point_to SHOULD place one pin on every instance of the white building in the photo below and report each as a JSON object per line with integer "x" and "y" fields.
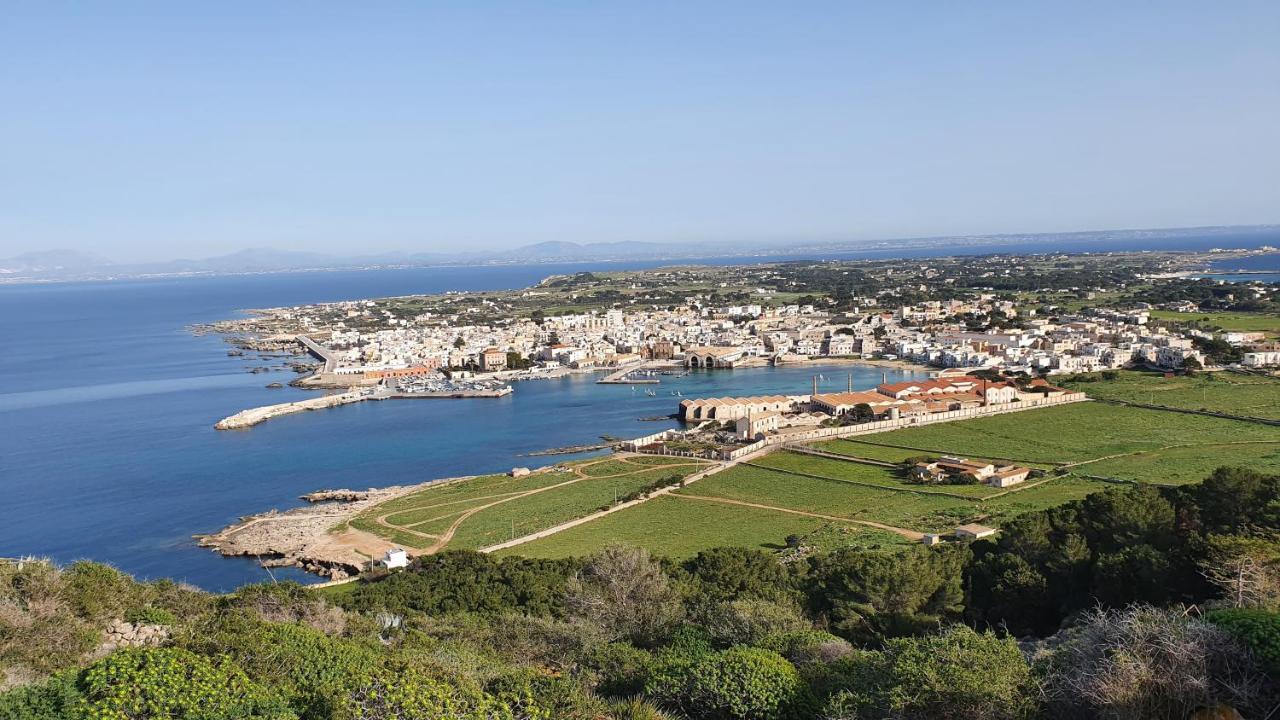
{"x": 395, "y": 558}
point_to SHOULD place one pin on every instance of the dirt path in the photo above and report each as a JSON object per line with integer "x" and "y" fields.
{"x": 909, "y": 534}
{"x": 447, "y": 535}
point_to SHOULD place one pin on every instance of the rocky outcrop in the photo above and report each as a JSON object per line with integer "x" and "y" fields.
{"x": 342, "y": 495}
{"x": 316, "y": 538}
{"x": 122, "y": 634}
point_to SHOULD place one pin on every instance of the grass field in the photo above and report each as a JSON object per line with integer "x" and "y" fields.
{"x": 862, "y": 473}
{"x": 476, "y": 512}
{"x": 681, "y": 527}
{"x": 1086, "y": 431}
{"x": 1225, "y": 392}
{"x": 828, "y": 501}
{"x": 1239, "y": 321}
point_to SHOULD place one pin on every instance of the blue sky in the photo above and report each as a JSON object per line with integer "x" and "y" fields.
{"x": 154, "y": 130}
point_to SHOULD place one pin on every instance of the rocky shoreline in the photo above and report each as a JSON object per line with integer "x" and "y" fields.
{"x": 313, "y": 537}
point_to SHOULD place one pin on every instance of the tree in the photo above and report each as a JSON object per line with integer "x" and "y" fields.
{"x": 626, "y": 594}
{"x": 728, "y": 573}
{"x": 1245, "y": 569}
{"x": 869, "y": 595}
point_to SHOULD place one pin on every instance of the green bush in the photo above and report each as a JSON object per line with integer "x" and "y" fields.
{"x": 959, "y": 674}
{"x": 740, "y": 682}
{"x": 308, "y": 668}
{"x": 408, "y": 694}
{"x": 1258, "y": 629}
{"x": 808, "y": 646}
{"x": 748, "y": 621}
{"x": 95, "y": 591}
{"x": 54, "y": 699}
{"x": 174, "y": 684}
{"x": 150, "y": 616}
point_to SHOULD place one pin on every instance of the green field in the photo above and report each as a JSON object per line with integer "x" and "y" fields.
{"x": 1239, "y": 321}
{"x": 680, "y": 528}
{"x": 1231, "y": 393}
{"x": 1086, "y": 447}
{"x": 480, "y": 511}
{"x": 855, "y": 472}
{"x": 1086, "y": 431}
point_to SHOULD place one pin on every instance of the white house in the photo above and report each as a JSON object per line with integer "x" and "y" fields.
{"x": 395, "y": 558}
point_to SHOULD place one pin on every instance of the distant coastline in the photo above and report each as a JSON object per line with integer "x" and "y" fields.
{"x": 66, "y": 266}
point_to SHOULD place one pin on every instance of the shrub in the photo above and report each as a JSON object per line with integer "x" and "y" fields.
{"x": 740, "y": 682}
{"x": 802, "y": 647}
{"x": 626, "y": 594}
{"x": 1259, "y": 630}
{"x": 171, "y": 683}
{"x": 408, "y": 694}
{"x": 95, "y": 591}
{"x": 749, "y": 620}
{"x": 960, "y": 674}
{"x": 1144, "y": 662}
{"x": 307, "y": 667}
{"x": 149, "y": 615}
{"x": 53, "y": 699}
{"x": 290, "y": 602}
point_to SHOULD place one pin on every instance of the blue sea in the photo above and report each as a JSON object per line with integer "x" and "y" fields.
{"x": 107, "y": 405}
{"x": 1258, "y": 268}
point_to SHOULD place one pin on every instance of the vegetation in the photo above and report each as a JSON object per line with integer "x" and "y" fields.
{"x": 1103, "y": 591}
{"x": 1230, "y": 393}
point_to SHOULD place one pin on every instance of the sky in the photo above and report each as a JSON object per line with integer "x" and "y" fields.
{"x": 146, "y": 131}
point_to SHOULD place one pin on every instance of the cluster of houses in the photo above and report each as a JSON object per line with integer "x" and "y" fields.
{"x": 370, "y": 341}
{"x": 962, "y": 471}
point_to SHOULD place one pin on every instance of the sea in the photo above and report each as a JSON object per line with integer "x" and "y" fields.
{"x": 107, "y": 406}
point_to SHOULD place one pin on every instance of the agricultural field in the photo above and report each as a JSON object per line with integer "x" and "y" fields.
{"x": 1080, "y": 432}
{"x": 759, "y": 506}
{"x": 1238, "y": 321}
{"x": 1231, "y": 393}
{"x": 868, "y": 475}
{"x": 476, "y": 512}
{"x": 830, "y": 502}
{"x": 682, "y": 527}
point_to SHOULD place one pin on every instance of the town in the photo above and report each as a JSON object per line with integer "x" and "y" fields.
{"x": 944, "y": 315}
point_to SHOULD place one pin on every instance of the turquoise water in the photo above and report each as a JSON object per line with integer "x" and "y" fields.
{"x": 107, "y": 405}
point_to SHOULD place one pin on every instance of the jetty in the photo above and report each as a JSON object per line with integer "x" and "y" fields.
{"x": 253, "y": 416}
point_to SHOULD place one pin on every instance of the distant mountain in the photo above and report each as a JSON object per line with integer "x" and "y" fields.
{"x": 54, "y": 265}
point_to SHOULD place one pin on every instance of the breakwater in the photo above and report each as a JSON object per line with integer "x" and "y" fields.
{"x": 253, "y": 416}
